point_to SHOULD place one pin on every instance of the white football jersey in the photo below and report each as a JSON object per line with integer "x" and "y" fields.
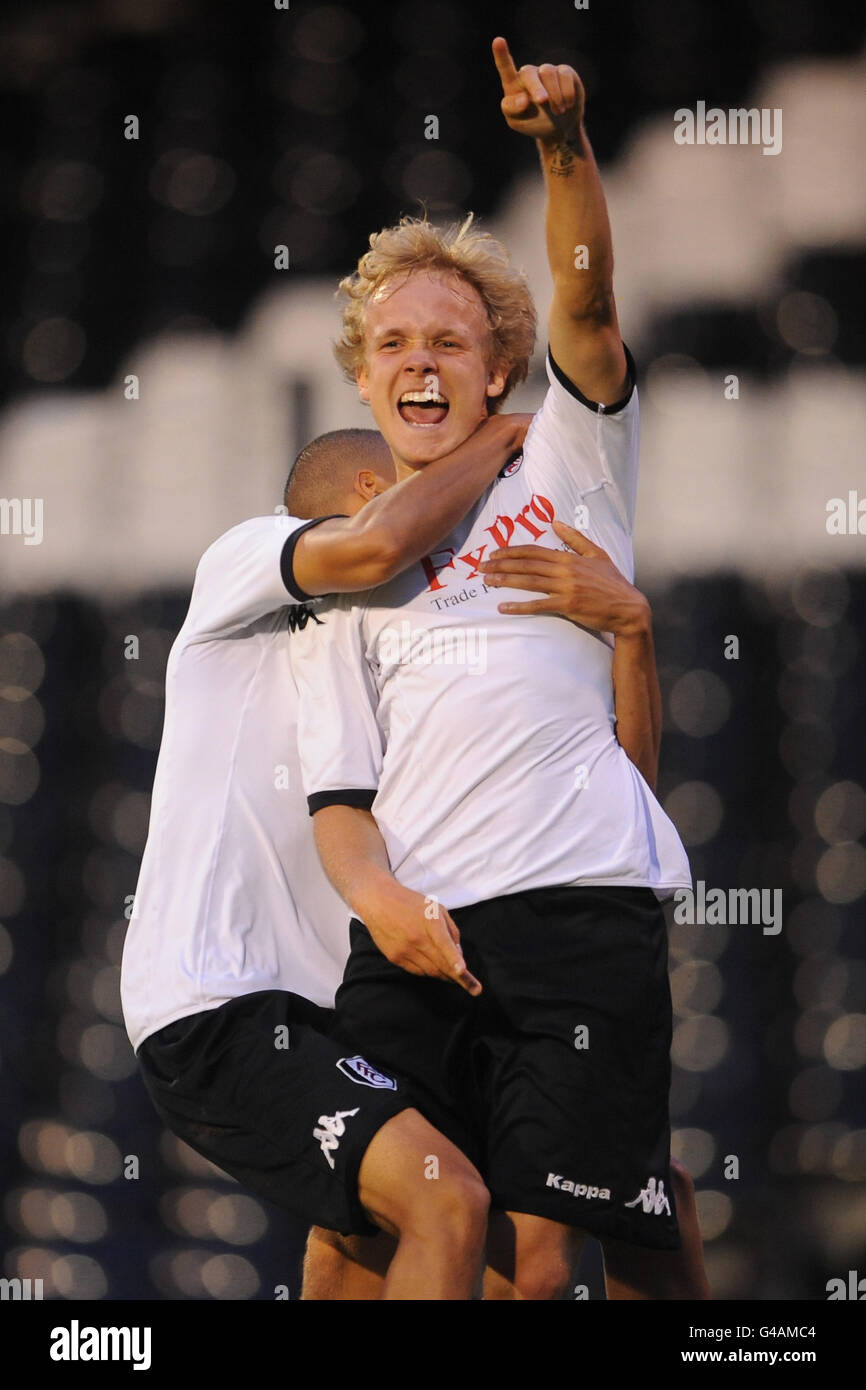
{"x": 231, "y": 897}
{"x": 484, "y": 742}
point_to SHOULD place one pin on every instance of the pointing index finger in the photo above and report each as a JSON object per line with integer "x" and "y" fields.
{"x": 505, "y": 66}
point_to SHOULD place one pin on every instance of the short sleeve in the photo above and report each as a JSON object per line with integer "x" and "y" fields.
{"x": 242, "y": 577}
{"x": 340, "y": 744}
{"x": 583, "y": 449}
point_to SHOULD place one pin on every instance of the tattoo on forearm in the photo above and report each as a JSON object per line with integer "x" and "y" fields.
{"x": 565, "y": 155}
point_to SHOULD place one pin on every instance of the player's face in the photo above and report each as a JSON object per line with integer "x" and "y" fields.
{"x": 426, "y": 373}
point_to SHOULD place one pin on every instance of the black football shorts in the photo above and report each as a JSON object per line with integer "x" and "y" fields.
{"x": 256, "y": 1087}
{"x": 555, "y": 1080}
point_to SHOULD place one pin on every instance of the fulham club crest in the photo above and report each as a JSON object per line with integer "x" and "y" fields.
{"x": 512, "y": 466}
{"x": 360, "y": 1071}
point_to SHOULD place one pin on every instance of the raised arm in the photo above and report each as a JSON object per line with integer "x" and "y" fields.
{"x": 546, "y": 103}
{"x": 398, "y": 527}
{"x": 584, "y": 586}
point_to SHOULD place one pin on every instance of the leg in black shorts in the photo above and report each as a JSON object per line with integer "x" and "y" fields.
{"x": 555, "y": 1080}
{"x": 290, "y": 1123}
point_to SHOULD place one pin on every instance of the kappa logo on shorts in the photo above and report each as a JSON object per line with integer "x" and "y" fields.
{"x": 360, "y": 1071}
{"x": 332, "y": 1131}
{"x": 578, "y": 1189}
{"x": 653, "y": 1199}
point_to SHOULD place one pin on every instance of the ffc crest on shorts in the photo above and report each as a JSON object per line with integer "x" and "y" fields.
{"x": 360, "y": 1071}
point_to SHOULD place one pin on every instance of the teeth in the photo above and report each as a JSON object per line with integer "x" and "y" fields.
{"x": 416, "y": 397}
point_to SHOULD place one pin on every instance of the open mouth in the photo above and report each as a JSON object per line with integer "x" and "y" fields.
{"x": 422, "y": 407}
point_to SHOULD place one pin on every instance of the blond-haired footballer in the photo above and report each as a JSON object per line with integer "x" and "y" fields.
{"x": 508, "y": 799}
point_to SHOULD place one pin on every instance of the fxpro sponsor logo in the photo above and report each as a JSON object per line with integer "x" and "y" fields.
{"x": 577, "y": 1189}
{"x": 358, "y": 1069}
{"x": 77, "y": 1343}
{"x": 445, "y": 568}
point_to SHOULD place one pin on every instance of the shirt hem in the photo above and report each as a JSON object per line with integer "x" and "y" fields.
{"x": 139, "y": 1036}
{"x": 663, "y": 891}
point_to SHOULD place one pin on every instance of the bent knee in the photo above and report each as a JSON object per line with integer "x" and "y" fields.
{"x": 413, "y": 1178}
{"x": 541, "y": 1278}
{"x": 458, "y": 1194}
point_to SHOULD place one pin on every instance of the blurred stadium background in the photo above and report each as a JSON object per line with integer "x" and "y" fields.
{"x": 154, "y": 258}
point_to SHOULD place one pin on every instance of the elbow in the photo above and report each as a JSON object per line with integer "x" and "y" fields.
{"x": 383, "y": 558}
{"x": 388, "y": 565}
{"x": 369, "y": 555}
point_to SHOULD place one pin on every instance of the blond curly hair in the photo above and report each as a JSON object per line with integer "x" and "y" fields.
{"x": 416, "y": 244}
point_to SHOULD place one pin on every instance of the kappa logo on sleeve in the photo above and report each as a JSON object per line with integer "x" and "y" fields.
{"x": 359, "y": 1070}
{"x": 298, "y": 615}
